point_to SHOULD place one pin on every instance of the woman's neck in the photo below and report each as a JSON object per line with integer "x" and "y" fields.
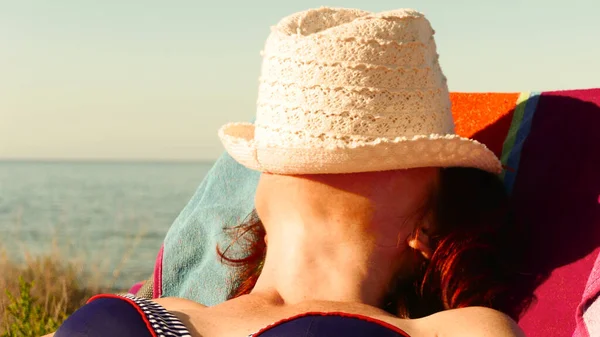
{"x": 326, "y": 259}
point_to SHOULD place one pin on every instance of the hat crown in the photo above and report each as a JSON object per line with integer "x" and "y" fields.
{"x": 341, "y": 76}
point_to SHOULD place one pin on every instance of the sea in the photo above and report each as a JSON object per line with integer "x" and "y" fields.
{"x": 107, "y": 218}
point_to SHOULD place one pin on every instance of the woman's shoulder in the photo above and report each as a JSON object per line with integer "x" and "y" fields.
{"x": 115, "y": 315}
{"x": 178, "y": 304}
{"x": 473, "y": 321}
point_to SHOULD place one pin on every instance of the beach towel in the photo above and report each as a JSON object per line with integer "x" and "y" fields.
{"x": 552, "y": 153}
{"x": 187, "y": 265}
{"x": 588, "y": 312}
{"x": 549, "y": 143}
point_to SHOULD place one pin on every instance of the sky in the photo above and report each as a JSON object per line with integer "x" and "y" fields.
{"x": 154, "y": 80}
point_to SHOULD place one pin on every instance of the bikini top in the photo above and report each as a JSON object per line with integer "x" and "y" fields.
{"x": 129, "y": 316}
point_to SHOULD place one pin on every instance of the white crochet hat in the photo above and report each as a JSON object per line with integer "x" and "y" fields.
{"x": 345, "y": 91}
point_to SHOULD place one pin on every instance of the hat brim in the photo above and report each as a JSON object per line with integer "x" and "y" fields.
{"x": 380, "y": 155}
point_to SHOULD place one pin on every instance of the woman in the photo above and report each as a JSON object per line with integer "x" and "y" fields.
{"x": 379, "y": 220}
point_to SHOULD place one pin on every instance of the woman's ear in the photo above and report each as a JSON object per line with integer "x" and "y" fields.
{"x": 420, "y": 243}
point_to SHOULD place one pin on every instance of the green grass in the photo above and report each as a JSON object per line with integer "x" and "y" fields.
{"x": 40, "y": 293}
{"x": 26, "y": 316}
{"x": 37, "y": 293}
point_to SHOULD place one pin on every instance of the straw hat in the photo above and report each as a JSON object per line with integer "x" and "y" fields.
{"x": 345, "y": 91}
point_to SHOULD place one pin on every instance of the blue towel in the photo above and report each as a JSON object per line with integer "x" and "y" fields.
{"x": 190, "y": 266}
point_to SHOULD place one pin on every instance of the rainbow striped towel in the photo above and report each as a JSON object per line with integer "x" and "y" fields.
{"x": 549, "y": 143}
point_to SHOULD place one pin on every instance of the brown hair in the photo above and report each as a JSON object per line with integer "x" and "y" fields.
{"x": 477, "y": 252}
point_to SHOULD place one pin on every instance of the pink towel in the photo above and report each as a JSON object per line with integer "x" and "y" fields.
{"x": 588, "y": 312}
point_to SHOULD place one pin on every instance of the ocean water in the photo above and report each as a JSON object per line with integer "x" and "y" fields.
{"x": 109, "y": 217}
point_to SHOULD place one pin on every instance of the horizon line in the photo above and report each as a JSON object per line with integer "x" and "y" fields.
{"x": 107, "y": 161}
